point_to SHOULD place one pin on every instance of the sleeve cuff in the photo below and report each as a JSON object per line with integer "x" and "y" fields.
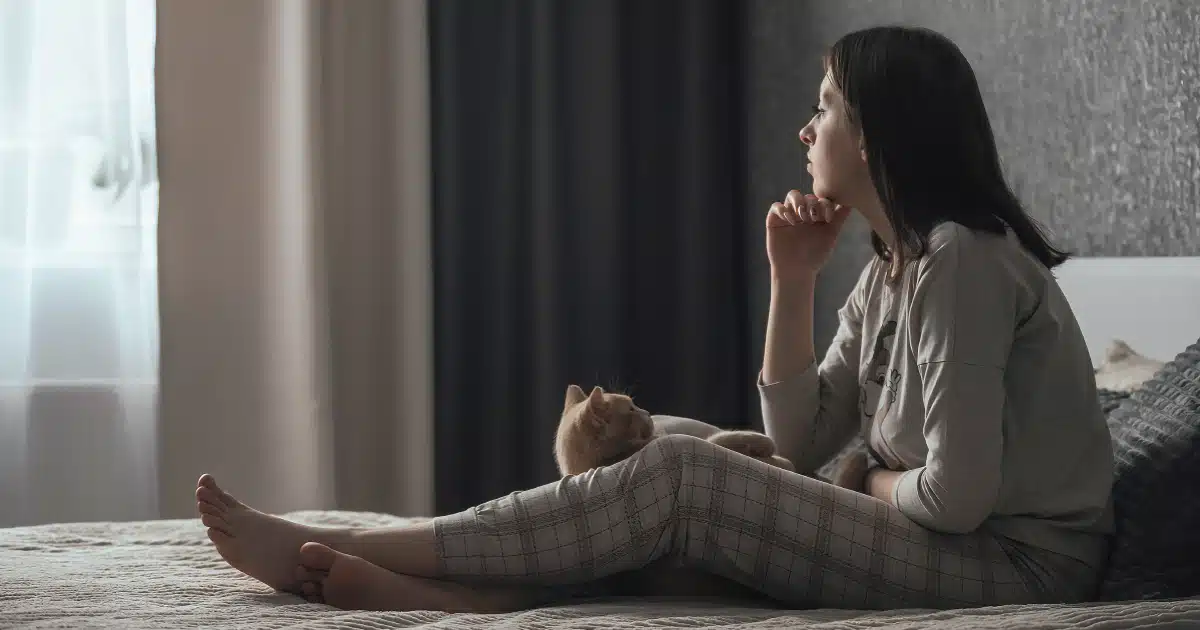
{"x": 783, "y": 398}
{"x": 905, "y": 495}
{"x": 787, "y": 409}
{"x": 807, "y": 376}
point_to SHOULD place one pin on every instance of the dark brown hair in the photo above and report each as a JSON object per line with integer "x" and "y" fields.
{"x": 929, "y": 144}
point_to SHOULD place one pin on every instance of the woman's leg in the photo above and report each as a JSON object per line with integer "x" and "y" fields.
{"x": 284, "y": 555}
{"x": 796, "y": 539}
{"x": 330, "y": 577}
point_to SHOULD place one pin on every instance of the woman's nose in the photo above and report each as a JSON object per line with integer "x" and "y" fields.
{"x": 806, "y": 135}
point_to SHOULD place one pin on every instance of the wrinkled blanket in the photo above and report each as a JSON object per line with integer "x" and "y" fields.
{"x": 166, "y": 574}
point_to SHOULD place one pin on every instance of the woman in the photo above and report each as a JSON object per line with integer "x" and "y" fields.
{"x": 957, "y": 356}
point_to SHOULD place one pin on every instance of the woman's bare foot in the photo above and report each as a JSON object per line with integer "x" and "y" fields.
{"x": 265, "y": 547}
{"x": 351, "y": 583}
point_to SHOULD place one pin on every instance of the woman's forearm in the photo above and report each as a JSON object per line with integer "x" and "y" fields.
{"x": 881, "y": 484}
{"x": 789, "y": 340}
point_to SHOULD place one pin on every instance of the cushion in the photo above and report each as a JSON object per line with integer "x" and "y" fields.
{"x": 1125, "y": 369}
{"x": 1111, "y": 399}
{"x": 1156, "y": 444}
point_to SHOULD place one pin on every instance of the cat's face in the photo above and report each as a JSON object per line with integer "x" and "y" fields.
{"x": 598, "y": 429}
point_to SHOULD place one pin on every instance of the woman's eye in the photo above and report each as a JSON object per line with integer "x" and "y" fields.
{"x": 817, "y": 111}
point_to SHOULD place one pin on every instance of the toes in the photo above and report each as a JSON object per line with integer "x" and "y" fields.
{"x": 304, "y": 574}
{"x": 205, "y": 509}
{"x": 207, "y": 495}
{"x": 312, "y": 593}
{"x": 227, "y": 499}
{"x": 316, "y": 556}
{"x": 217, "y": 523}
{"x": 209, "y": 483}
{"x": 208, "y": 508}
{"x": 219, "y": 537}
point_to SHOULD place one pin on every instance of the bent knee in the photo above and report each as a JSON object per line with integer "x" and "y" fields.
{"x": 675, "y": 446}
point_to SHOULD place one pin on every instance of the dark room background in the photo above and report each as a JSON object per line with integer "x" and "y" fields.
{"x": 602, "y": 169}
{"x": 588, "y": 189}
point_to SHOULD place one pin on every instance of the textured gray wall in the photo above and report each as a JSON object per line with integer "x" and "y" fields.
{"x": 1095, "y": 105}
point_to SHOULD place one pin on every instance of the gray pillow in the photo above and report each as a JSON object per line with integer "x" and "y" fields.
{"x": 1156, "y": 444}
{"x": 1111, "y": 399}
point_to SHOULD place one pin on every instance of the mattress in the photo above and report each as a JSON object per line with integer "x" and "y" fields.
{"x": 166, "y": 574}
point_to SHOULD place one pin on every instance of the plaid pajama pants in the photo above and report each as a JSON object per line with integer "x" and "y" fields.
{"x": 795, "y": 539}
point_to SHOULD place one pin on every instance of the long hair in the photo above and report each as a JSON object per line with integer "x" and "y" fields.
{"x": 928, "y": 141}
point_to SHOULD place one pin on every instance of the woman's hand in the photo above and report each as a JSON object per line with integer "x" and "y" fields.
{"x": 801, "y": 232}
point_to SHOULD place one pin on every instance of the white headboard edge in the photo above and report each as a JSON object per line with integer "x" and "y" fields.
{"x": 1152, "y": 303}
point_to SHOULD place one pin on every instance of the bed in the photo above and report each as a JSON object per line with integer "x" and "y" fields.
{"x": 165, "y": 574}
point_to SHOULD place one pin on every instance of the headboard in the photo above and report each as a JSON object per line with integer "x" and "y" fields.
{"x": 1151, "y": 303}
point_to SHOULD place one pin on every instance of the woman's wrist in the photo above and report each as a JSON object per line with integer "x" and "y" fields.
{"x": 789, "y": 347}
{"x": 793, "y": 279}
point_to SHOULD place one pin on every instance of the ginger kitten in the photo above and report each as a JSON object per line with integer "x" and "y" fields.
{"x": 600, "y": 429}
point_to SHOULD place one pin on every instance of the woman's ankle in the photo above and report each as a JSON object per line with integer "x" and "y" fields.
{"x": 341, "y": 539}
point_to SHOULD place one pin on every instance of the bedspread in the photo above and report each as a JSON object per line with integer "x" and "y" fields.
{"x": 166, "y": 574}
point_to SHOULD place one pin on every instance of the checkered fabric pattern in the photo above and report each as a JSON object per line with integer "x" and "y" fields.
{"x": 795, "y": 539}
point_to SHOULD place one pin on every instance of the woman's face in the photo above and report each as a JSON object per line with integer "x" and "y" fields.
{"x": 836, "y": 160}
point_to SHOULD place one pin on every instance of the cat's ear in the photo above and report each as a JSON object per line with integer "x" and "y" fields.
{"x": 575, "y": 396}
{"x": 596, "y": 400}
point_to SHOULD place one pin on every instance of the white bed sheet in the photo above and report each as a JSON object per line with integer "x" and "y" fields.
{"x": 166, "y": 574}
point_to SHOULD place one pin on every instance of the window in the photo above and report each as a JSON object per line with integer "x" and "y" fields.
{"x": 78, "y": 285}
{"x": 78, "y": 191}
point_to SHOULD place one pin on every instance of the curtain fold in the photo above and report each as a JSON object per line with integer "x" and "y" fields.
{"x": 589, "y": 224}
{"x": 294, "y": 253}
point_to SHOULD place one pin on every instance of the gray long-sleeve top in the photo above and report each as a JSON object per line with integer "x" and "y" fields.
{"x": 970, "y": 373}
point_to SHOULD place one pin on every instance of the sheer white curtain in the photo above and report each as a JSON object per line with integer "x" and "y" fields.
{"x": 78, "y": 303}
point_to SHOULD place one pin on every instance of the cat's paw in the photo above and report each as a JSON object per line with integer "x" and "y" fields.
{"x": 750, "y": 443}
{"x": 781, "y": 462}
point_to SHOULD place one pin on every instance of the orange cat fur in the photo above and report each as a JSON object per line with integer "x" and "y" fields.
{"x": 600, "y": 429}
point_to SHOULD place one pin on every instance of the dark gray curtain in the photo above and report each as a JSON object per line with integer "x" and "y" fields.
{"x": 589, "y": 226}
